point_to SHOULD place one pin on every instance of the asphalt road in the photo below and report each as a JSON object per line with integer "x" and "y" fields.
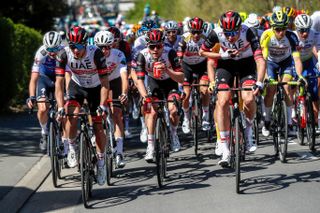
{"x": 194, "y": 184}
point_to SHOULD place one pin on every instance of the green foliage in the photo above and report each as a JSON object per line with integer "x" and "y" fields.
{"x": 18, "y": 46}
{"x": 7, "y": 86}
{"x": 212, "y": 9}
{"x": 26, "y": 43}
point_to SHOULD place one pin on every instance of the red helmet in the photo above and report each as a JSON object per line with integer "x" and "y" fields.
{"x": 155, "y": 36}
{"x": 115, "y": 31}
{"x": 230, "y": 21}
{"x": 195, "y": 23}
{"x": 77, "y": 35}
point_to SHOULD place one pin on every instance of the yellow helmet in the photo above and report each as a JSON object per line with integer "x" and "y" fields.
{"x": 243, "y": 16}
{"x": 291, "y": 12}
{"x": 279, "y": 19}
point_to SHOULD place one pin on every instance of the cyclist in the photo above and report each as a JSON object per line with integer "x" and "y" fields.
{"x": 41, "y": 85}
{"x": 291, "y": 13}
{"x": 124, "y": 46}
{"x": 192, "y": 63}
{"x": 253, "y": 21}
{"x": 118, "y": 81}
{"x": 240, "y": 49}
{"x": 169, "y": 72}
{"x": 279, "y": 47}
{"x": 88, "y": 81}
{"x": 310, "y": 45}
{"x": 172, "y": 38}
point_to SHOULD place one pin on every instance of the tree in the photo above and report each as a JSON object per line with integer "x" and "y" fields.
{"x": 37, "y": 14}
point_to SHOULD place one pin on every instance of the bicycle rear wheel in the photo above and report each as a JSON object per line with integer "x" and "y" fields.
{"x": 85, "y": 161}
{"x": 311, "y": 129}
{"x": 53, "y": 154}
{"x": 161, "y": 160}
{"x": 283, "y": 131}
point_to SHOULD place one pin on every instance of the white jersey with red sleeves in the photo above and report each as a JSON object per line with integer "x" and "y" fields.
{"x": 242, "y": 44}
{"x": 190, "y": 49}
{"x": 116, "y": 64}
{"x": 145, "y": 63}
{"x": 86, "y": 70}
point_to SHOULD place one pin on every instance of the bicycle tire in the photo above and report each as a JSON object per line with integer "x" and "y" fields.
{"x": 283, "y": 132}
{"x": 311, "y": 126}
{"x": 300, "y": 132}
{"x": 160, "y": 152}
{"x": 275, "y": 129}
{"x": 109, "y": 163}
{"x": 237, "y": 153}
{"x": 53, "y": 154}
{"x": 256, "y": 131}
{"x": 85, "y": 170}
{"x": 232, "y": 140}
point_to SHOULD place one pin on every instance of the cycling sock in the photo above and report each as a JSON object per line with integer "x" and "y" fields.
{"x": 248, "y": 130}
{"x": 186, "y": 113}
{"x": 268, "y": 112}
{"x": 72, "y": 143}
{"x": 224, "y": 136}
{"x": 44, "y": 129}
{"x": 293, "y": 112}
{"x": 289, "y": 115}
{"x": 151, "y": 140}
{"x": 126, "y": 122}
{"x": 143, "y": 125}
{"x": 173, "y": 129}
{"x": 119, "y": 145}
{"x": 100, "y": 159}
{"x": 205, "y": 112}
{"x": 65, "y": 145}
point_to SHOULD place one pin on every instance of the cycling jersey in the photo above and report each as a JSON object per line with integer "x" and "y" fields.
{"x": 44, "y": 64}
{"x": 145, "y": 62}
{"x": 116, "y": 64}
{"x": 189, "y": 49}
{"x": 124, "y": 46}
{"x": 86, "y": 70}
{"x": 247, "y": 44}
{"x": 279, "y": 50}
{"x": 175, "y": 45}
{"x": 306, "y": 45}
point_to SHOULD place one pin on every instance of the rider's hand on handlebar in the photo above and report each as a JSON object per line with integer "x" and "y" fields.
{"x": 30, "y": 101}
{"x": 123, "y": 98}
{"x": 211, "y": 87}
{"x": 102, "y": 110}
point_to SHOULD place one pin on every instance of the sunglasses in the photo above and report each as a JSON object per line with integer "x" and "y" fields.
{"x": 231, "y": 33}
{"x": 303, "y": 30}
{"x": 193, "y": 32}
{"x": 280, "y": 29}
{"x": 171, "y": 32}
{"x": 76, "y": 46}
{"x": 52, "y": 49}
{"x": 153, "y": 46}
{"x": 106, "y": 47}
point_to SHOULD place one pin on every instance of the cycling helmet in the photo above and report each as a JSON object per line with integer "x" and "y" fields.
{"x": 103, "y": 38}
{"x": 276, "y": 8}
{"x": 77, "y": 35}
{"x": 252, "y": 21}
{"x": 243, "y": 16}
{"x": 195, "y": 23}
{"x": 171, "y": 25}
{"x": 303, "y": 21}
{"x": 149, "y": 24}
{"x": 155, "y": 36}
{"x": 291, "y": 13}
{"x": 207, "y": 28}
{"x": 116, "y": 32}
{"x": 52, "y": 39}
{"x": 279, "y": 19}
{"x": 230, "y": 21}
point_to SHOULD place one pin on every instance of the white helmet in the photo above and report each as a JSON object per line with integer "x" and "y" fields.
{"x": 207, "y": 28}
{"x": 252, "y": 20}
{"x": 52, "y": 39}
{"x": 276, "y": 9}
{"x": 171, "y": 25}
{"x": 316, "y": 21}
{"x": 303, "y": 21}
{"x": 103, "y": 38}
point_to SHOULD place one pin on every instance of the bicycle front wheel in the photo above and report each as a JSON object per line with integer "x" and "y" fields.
{"x": 238, "y": 142}
{"x": 161, "y": 160}
{"x": 283, "y": 132}
{"x": 53, "y": 154}
{"x": 311, "y": 129}
{"x": 300, "y": 132}
{"x": 86, "y": 183}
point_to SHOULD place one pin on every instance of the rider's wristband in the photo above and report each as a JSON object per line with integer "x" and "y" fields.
{"x": 260, "y": 84}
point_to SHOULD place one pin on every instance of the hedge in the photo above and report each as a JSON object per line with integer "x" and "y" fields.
{"x": 18, "y": 46}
